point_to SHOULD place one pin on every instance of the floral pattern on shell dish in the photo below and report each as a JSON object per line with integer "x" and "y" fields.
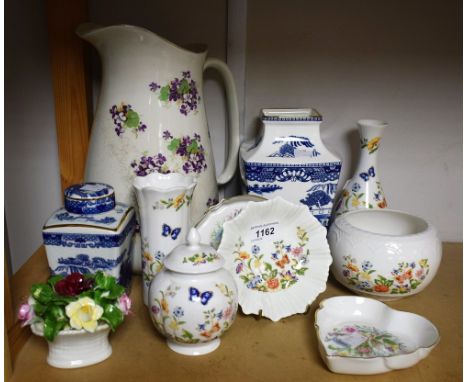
{"x": 403, "y": 279}
{"x": 276, "y": 271}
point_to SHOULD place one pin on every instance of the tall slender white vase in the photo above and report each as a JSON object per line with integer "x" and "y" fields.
{"x": 364, "y": 189}
{"x": 164, "y": 205}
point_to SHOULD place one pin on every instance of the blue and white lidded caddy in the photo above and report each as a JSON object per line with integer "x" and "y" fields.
{"x": 92, "y": 233}
{"x": 289, "y": 159}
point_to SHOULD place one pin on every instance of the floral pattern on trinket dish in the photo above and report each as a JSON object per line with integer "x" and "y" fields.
{"x": 279, "y": 256}
{"x": 210, "y": 226}
{"x": 359, "y": 335}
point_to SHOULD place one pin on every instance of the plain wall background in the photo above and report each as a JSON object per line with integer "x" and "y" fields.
{"x": 398, "y": 61}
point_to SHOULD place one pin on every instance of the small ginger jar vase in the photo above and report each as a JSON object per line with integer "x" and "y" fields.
{"x": 364, "y": 189}
{"x": 290, "y": 160}
{"x": 91, "y": 233}
{"x": 193, "y": 300}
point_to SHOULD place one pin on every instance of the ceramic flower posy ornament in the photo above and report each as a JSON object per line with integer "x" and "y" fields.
{"x": 77, "y": 302}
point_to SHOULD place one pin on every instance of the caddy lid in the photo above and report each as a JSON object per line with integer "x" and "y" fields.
{"x": 193, "y": 257}
{"x": 89, "y": 198}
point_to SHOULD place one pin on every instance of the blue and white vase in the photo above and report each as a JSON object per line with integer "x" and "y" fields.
{"x": 290, "y": 160}
{"x": 91, "y": 233}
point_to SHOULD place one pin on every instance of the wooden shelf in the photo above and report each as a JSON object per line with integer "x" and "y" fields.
{"x": 257, "y": 349}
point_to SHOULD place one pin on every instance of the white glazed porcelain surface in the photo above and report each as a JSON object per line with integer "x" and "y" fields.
{"x": 386, "y": 254}
{"x": 164, "y": 203}
{"x": 77, "y": 348}
{"x": 142, "y": 126}
{"x": 359, "y": 335}
{"x": 211, "y": 224}
{"x": 288, "y": 159}
{"x": 278, "y": 254}
{"x": 91, "y": 243}
{"x": 364, "y": 189}
{"x": 193, "y": 311}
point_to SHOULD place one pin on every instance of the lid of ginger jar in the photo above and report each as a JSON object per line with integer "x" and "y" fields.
{"x": 193, "y": 257}
{"x": 89, "y": 198}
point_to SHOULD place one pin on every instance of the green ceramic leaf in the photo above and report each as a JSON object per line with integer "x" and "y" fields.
{"x": 56, "y": 313}
{"x": 164, "y": 93}
{"x": 133, "y": 119}
{"x": 52, "y": 327}
{"x": 39, "y": 309}
{"x": 104, "y": 281}
{"x": 42, "y": 292}
{"x": 112, "y": 315}
{"x": 54, "y": 279}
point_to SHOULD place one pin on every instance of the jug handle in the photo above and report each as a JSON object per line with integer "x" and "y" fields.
{"x": 233, "y": 116}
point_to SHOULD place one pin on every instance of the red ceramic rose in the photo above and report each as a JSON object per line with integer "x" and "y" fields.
{"x": 73, "y": 285}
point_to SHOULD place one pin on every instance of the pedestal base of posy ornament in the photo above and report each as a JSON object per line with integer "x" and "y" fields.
{"x": 194, "y": 349}
{"x": 77, "y": 348}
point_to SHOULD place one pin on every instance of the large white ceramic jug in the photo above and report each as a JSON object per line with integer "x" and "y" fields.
{"x": 150, "y": 115}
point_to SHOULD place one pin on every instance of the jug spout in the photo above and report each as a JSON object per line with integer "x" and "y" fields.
{"x": 129, "y": 35}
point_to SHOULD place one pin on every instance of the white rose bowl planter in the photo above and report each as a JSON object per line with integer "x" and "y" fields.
{"x": 77, "y": 348}
{"x": 385, "y": 254}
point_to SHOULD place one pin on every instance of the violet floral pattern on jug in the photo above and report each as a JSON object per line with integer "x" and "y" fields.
{"x": 183, "y": 91}
{"x": 363, "y": 341}
{"x": 125, "y": 118}
{"x": 404, "y": 278}
{"x": 183, "y": 154}
{"x": 276, "y": 271}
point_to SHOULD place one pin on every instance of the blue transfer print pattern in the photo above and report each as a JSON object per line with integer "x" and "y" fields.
{"x": 65, "y": 216}
{"x": 319, "y": 197}
{"x": 263, "y": 189}
{"x": 293, "y": 146}
{"x": 82, "y": 263}
{"x": 79, "y": 240}
{"x": 265, "y": 172}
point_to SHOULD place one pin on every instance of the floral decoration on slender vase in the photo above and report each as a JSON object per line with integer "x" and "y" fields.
{"x": 75, "y": 314}
{"x": 125, "y": 118}
{"x": 183, "y": 91}
{"x": 364, "y": 189}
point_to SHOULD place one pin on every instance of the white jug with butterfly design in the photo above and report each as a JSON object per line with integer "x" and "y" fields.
{"x": 164, "y": 205}
{"x": 193, "y": 300}
{"x": 364, "y": 189}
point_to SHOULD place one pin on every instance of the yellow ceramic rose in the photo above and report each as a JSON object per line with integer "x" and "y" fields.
{"x": 84, "y": 314}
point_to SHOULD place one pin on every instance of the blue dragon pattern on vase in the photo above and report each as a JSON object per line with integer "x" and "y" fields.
{"x": 294, "y": 146}
{"x": 322, "y": 176}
